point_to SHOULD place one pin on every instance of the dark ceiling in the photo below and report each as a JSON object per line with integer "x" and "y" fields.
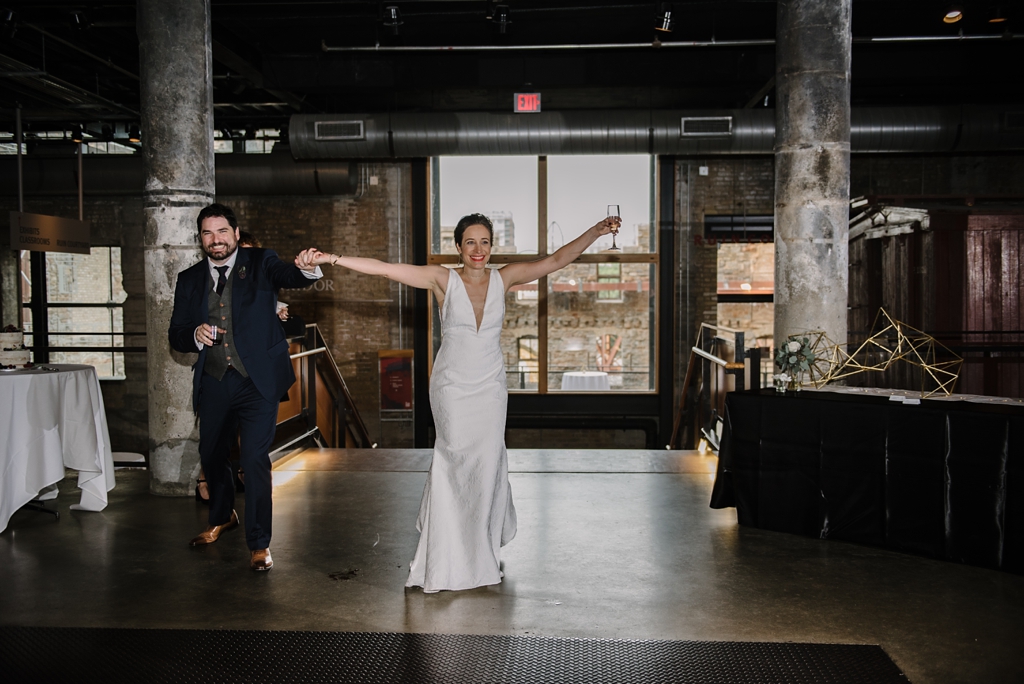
{"x": 68, "y": 63}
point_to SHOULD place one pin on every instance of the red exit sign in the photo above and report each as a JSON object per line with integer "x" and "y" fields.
{"x": 527, "y": 103}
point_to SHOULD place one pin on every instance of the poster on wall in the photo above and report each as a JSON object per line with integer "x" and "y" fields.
{"x": 395, "y": 379}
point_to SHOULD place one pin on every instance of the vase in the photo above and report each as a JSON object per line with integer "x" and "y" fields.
{"x": 796, "y": 381}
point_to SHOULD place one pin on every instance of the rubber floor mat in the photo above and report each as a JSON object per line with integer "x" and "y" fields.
{"x": 50, "y": 654}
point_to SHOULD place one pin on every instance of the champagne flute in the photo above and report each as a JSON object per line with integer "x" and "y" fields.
{"x": 613, "y": 212}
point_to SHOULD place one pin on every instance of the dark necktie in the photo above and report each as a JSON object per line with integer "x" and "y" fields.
{"x": 222, "y": 279}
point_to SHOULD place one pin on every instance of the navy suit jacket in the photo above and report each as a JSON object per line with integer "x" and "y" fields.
{"x": 259, "y": 338}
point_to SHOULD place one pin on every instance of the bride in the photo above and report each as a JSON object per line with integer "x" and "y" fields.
{"x": 466, "y": 513}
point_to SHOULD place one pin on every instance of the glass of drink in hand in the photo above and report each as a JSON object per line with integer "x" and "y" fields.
{"x": 613, "y": 213}
{"x": 216, "y": 335}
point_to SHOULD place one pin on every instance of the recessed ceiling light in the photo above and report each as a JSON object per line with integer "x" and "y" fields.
{"x": 953, "y": 14}
{"x": 998, "y": 16}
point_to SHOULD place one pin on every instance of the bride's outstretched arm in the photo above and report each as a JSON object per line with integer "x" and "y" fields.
{"x": 528, "y": 271}
{"x": 431, "y": 277}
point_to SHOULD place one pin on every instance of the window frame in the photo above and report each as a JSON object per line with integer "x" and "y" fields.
{"x": 38, "y": 305}
{"x": 652, "y": 258}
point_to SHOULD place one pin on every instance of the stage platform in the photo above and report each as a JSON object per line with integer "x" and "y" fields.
{"x": 611, "y": 545}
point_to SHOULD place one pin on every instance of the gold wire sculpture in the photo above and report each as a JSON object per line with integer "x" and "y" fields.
{"x": 822, "y": 349}
{"x": 911, "y": 346}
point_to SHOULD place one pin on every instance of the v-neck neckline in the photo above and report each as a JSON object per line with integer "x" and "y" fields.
{"x": 487, "y": 295}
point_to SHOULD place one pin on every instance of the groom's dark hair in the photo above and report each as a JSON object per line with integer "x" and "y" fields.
{"x": 216, "y": 210}
{"x": 472, "y": 220}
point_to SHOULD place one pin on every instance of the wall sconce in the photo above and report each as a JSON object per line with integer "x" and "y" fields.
{"x": 76, "y": 134}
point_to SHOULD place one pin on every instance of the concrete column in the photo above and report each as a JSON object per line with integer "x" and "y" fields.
{"x": 10, "y": 259}
{"x": 177, "y": 134}
{"x": 812, "y": 167}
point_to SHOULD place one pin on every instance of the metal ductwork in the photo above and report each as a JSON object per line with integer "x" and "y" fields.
{"x": 675, "y": 132}
{"x": 237, "y": 174}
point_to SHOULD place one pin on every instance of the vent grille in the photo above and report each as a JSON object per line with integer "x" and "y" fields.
{"x": 705, "y": 126}
{"x": 1015, "y": 121}
{"x": 340, "y": 130}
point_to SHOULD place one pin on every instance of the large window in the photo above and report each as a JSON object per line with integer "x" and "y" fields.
{"x": 594, "y": 320}
{"x": 83, "y": 305}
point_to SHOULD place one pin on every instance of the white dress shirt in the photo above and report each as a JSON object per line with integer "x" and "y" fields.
{"x": 230, "y": 263}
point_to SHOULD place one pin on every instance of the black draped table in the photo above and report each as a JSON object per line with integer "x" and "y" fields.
{"x": 941, "y": 478}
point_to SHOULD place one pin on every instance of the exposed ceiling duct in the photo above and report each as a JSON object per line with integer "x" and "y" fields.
{"x": 679, "y": 132}
{"x": 237, "y": 174}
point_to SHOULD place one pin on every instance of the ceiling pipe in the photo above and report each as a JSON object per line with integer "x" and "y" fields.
{"x": 236, "y": 174}
{"x": 676, "y": 132}
{"x": 655, "y": 44}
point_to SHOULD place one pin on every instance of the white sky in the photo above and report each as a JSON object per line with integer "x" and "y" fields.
{"x": 580, "y": 188}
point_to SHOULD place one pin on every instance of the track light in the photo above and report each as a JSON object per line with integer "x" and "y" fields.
{"x": 9, "y": 23}
{"x": 664, "y": 21}
{"x": 393, "y": 18}
{"x": 79, "y": 21}
{"x": 133, "y": 134}
{"x": 953, "y": 14}
{"x": 501, "y": 14}
{"x": 76, "y": 134}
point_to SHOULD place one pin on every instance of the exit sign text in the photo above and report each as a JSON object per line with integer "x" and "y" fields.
{"x": 527, "y": 103}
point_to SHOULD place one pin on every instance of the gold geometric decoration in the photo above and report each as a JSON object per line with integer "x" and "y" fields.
{"x": 824, "y": 352}
{"x": 911, "y": 346}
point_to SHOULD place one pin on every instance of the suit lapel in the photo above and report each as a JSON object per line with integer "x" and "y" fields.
{"x": 241, "y": 279}
{"x": 206, "y": 283}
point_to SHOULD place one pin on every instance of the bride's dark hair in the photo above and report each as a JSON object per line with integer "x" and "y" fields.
{"x": 472, "y": 220}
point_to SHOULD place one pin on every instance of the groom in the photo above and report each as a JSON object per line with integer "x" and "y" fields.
{"x": 225, "y": 309}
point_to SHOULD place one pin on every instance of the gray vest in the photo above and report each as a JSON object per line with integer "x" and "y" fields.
{"x": 217, "y": 356}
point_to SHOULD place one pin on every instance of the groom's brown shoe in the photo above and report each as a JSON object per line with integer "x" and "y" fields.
{"x": 213, "y": 532}
{"x": 259, "y": 559}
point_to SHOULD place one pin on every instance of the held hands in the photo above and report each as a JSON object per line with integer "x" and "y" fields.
{"x": 309, "y": 259}
{"x": 314, "y": 257}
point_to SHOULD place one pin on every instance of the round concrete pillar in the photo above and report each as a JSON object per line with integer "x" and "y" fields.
{"x": 812, "y": 167}
{"x": 177, "y": 144}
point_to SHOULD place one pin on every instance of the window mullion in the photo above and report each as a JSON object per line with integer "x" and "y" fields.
{"x": 542, "y": 283}
{"x": 542, "y": 334}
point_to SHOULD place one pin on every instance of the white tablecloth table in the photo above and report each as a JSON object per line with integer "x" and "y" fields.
{"x": 50, "y": 421}
{"x": 586, "y": 381}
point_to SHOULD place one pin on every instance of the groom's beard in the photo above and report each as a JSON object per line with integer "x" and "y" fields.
{"x": 228, "y": 253}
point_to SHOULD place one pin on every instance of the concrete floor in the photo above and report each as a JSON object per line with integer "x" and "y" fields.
{"x": 616, "y": 544}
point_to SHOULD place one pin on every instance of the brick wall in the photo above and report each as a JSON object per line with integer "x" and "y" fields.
{"x": 357, "y": 314}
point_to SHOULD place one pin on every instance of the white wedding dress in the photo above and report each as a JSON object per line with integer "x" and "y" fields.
{"x": 466, "y": 513}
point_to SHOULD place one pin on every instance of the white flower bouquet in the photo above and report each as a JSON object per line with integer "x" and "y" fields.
{"x": 794, "y": 358}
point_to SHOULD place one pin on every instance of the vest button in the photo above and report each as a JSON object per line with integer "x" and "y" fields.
{"x": 222, "y": 304}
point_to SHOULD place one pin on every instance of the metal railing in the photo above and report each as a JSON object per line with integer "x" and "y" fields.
{"x": 320, "y": 408}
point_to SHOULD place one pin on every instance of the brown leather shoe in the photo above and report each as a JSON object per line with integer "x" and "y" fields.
{"x": 260, "y": 559}
{"x": 212, "y": 533}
